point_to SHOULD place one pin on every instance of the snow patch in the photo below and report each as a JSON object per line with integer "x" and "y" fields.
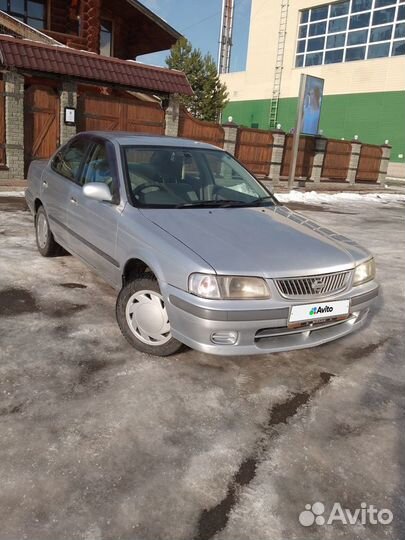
{"x": 342, "y": 198}
{"x": 12, "y": 193}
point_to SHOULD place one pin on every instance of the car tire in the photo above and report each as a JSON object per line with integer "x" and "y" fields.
{"x": 142, "y": 317}
{"x": 46, "y": 243}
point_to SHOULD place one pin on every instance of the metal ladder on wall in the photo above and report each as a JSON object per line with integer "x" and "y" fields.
{"x": 278, "y": 70}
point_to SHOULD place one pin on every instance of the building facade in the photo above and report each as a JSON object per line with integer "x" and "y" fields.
{"x": 357, "y": 46}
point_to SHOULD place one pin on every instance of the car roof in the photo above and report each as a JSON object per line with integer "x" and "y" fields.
{"x": 144, "y": 139}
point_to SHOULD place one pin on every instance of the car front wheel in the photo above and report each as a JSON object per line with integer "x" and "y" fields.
{"x": 142, "y": 317}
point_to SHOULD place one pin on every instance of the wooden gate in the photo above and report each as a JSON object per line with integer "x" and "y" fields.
{"x": 254, "y": 149}
{"x": 337, "y": 160}
{"x": 41, "y": 123}
{"x": 305, "y": 157}
{"x": 199, "y": 130}
{"x": 369, "y": 163}
{"x": 119, "y": 114}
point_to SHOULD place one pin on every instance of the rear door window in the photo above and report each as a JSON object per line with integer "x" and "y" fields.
{"x": 68, "y": 160}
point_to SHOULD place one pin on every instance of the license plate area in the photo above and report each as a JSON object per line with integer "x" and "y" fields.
{"x": 318, "y": 311}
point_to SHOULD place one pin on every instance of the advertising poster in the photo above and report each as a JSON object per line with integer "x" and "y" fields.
{"x": 312, "y": 105}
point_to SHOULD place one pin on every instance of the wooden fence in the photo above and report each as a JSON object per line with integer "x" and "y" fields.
{"x": 264, "y": 153}
{"x": 198, "y": 130}
{"x": 306, "y": 151}
{"x": 369, "y": 163}
{"x": 254, "y": 149}
{"x": 336, "y": 161}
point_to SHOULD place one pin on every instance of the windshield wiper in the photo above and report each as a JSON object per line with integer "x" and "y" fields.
{"x": 224, "y": 203}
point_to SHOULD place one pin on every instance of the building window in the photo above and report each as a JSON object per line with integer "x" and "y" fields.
{"x": 355, "y": 53}
{"x": 400, "y": 30}
{"x": 350, "y": 30}
{"x": 31, "y": 12}
{"x": 318, "y": 13}
{"x": 332, "y": 57}
{"x": 378, "y": 51}
{"x": 336, "y": 10}
{"x": 335, "y": 41}
{"x": 313, "y": 59}
{"x": 383, "y": 16}
{"x": 106, "y": 38}
{"x": 398, "y": 48}
{"x": 357, "y": 38}
{"x": 382, "y": 33}
{"x": 359, "y": 21}
{"x": 317, "y": 29}
{"x": 337, "y": 25}
{"x": 316, "y": 44}
{"x": 360, "y": 5}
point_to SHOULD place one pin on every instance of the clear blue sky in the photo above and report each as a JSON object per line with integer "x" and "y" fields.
{"x": 199, "y": 21}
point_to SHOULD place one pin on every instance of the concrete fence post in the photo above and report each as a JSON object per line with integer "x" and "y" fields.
{"x": 276, "y": 156}
{"x": 231, "y": 135}
{"x": 354, "y": 162}
{"x": 385, "y": 159}
{"x": 14, "y": 120}
{"x": 172, "y": 116}
{"x": 319, "y": 157}
{"x": 68, "y": 98}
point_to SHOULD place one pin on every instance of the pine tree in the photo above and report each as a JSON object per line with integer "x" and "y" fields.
{"x": 210, "y": 94}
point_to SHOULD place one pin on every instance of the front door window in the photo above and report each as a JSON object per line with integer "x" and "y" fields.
{"x": 97, "y": 168}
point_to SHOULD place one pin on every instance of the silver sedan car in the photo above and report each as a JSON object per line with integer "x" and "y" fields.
{"x": 201, "y": 253}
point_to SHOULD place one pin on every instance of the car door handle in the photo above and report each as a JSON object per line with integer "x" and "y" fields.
{"x": 44, "y": 183}
{"x": 73, "y": 200}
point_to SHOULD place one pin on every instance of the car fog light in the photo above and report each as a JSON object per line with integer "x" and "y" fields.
{"x": 224, "y": 338}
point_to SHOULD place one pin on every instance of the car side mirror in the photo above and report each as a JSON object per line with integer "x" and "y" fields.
{"x": 98, "y": 191}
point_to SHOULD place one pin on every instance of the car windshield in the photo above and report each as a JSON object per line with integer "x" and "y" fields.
{"x": 190, "y": 178}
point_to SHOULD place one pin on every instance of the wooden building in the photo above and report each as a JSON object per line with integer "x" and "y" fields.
{"x": 60, "y": 58}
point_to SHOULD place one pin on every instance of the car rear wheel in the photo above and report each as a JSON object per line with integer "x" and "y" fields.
{"x": 142, "y": 317}
{"x": 46, "y": 243}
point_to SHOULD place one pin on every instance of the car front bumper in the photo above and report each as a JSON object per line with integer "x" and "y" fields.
{"x": 260, "y": 329}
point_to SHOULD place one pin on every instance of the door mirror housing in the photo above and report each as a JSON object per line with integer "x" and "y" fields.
{"x": 98, "y": 191}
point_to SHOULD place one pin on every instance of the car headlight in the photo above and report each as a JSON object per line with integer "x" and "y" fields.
{"x": 364, "y": 272}
{"x": 228, "y": 287}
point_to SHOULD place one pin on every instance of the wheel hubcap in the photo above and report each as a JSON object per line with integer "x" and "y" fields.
{"x": 147, "y": 318}
{"x": 42, "y": 230}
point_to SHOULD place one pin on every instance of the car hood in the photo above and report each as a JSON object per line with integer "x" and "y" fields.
{"x": 268, "y": 242}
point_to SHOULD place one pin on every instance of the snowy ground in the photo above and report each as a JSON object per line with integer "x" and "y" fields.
{"x": 99, "y": 442}
{"x": 341, "y": 198}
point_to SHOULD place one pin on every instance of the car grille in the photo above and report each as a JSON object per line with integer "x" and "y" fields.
{"x": 311, "y": 286}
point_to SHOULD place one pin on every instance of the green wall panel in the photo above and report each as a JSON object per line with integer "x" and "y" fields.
{"x": 247, "y": 113}
{"x": 374, "y": 117}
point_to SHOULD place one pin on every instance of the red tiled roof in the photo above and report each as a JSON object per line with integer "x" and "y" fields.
{"x": 32, "y": 56}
